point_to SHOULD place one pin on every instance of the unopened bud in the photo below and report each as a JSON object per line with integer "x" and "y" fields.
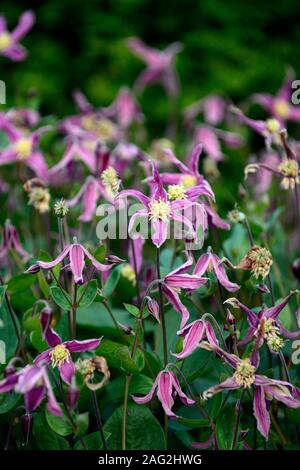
{"x": 296, "y": 268}
{"x": 263, "y": 288}
{"x": 26, "y": 427}
{"x": 33, "y": 269}
{"x": 153, "y": 308}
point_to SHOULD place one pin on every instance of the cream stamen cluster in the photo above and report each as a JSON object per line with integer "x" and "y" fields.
{"x": 244, "y": 374}
{"x": 111, "y": 181}
{"x": 289, "y": 169}
{"x": 176, "y": 192}
{"x": 159, "y": 210}
{"x": 59, "y": 355}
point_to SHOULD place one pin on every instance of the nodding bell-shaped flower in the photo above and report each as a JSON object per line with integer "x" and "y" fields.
{"x": 10, "y": 42}
{"x": 208, "y": 262}
{"x": 193, "y": 334}
{"x": 77, "y": 255}
{"x": 167, "y": 387}
{"x": 11, "y": 241}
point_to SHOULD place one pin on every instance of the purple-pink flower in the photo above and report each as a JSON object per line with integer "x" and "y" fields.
{"x": 160, "y": 65}
{"x": 10, "y": 41}
{"x": 77, "y": 254}
{"x": 211, "y": 262}
{"x": 11, "y": 241}
{"x": 193, "y": 334}
{"x": 265, "y": 389}
{"x": 166, "y": 386}
{"x": 60, "y": 353}
{"x": 34, "y": 383}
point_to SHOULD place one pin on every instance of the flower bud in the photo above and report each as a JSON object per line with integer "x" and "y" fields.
{"x": 33, "y": 269}
{"x": 263, "y": 288}
{"x": 26, "y": 427}
{"x": 296, "y": 268}
{"x": 153, "y": 308}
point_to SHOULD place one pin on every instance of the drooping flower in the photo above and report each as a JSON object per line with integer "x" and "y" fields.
{"x": 265, "y": 324}
{"x": 60, "y": 353}
{"x": 213, "y": 108}
{"x": 193, "y": 334}
{"x": 34, "y": 383}
{"x": 265, "y": 389}
{"x": 9, "y": 42}
{"x": 77, "y": 149}
{"x": 160, "y": 65}
{"x": 11, "y": 241}
{"x": 159, "y": 210}
{"x": 89, "y": 194}
{"x": 280, "y": 106}
{"x": 76, "y": 254}
{"x": 210, "y": 261}
{"x": 125, "y": 109}
{"x": 24, "y": 148}
{"x": 287, "y": 169}
{"x": 167, "y": 387}
{"x": 211, "y": 138}
{"x": 269, "y": 129}
{"x": 179, "y": 279}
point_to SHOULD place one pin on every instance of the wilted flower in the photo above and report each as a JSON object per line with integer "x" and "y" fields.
{"x": 9, "y": 42}
{"x": 87, "y": 369}
{"x": 258, "y": 260}
{"x": 160, "y": 65}
{"x": 39, "y": 198}
{"x": 77, "y": 254}
{"x": 167, "y": 386}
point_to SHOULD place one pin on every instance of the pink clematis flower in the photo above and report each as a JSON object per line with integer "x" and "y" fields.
{"x": 77, "y": 149}
{"x": 265, "y": 324}
{"x": 180, "y": 279}
{"x": 210, "y": 261}
{"x": 167, "y": 386}
{"x": 59, "y": 354}
{"x": 269, "y": 129}
{"x": 193, "y": 334}
{"x": 280, "y": 106}
{"x": 34, "y": 383}
{"x": 160, "y": 65}
{"x": 211, "y": 138}
{"x": 89, "y": 194}
{"x": 24, "y": 148}
{"x": 125, "y": 110}
{"x": 213, "y": 108}
{"x": 158, "y": 209}
{"x": 11, "y": 241}
{"x": 76, "y": 254}
{"x": 245, "y": 377}
{"x": 9, "y": 42}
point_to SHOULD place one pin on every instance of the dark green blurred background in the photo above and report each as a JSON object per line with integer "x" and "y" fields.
{"x": 230, "y": 46}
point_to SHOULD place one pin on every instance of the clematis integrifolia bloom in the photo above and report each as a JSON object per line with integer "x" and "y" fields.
{"x": 10, "y": 41}
{"x": 11, "y": 241}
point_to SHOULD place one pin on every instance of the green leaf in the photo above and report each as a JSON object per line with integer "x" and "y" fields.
{"x": 194, "y": 422}
{"x": 44, "y": 286}
{"x": 61, "y": 298}
{"x": 82, "y": 424}
{"x": 112, "y": 281}
{"x": 143, "y": 431}
{"x": 45, "y": 438}
{"x": 44, "y": 256}
{"x": 224, "y": 428}
{"x": 118, "y": 357}
{"x": 7, "y": 331}
{"x": 59, "y": 424}
{"x": 30, "y": 322}
{"x": 20, "y": 283}
{"x": 100, "y": 253}
{"x": 2, "y": 293}
{"x": 8, "y": 401}
{"x": 132, "y": 309}
{"x": 87, "y": 293}
{"x": 92, "y": 441}
{"x": 37, "y": 340}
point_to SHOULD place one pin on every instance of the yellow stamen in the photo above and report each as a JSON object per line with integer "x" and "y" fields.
{"x": 244, "y": 374}
{"x": 5, "y": 41}
{"x": 111, "y": 181}
{"x": 128, "y": 273}
{"x": 281, "y": 108}
{"x": 289, "y": 169}
{"x": 176, "y": 192}
{"x": 23, "y": 147}
{"x": 273, "y": 125}
{"x": 59, "y": 355}
{"x": 188, "y": 181}
{"x": 159, "y": 210}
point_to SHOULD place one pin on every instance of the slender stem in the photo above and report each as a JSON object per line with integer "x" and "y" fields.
{"x": 59, "y": 387}
{"x": 98, "y": 419}
{"x": 246, "y": 223}
{"x": 237, "y": 421}
{"x": 297, "y": 203}
{"x": 135, "y": 270}
{"x": 106, "y": 305}
{"x": 127, "y": 382}
{"x": 271, "y": 289}
{"x": 12, "y": 315}
{"x": 285, "y": 369}
{"x": 217, "y": 326}
{"x": 162, "y": 309}
{"x": 73, "y": 313}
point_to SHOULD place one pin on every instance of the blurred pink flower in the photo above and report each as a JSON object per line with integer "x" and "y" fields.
{"x": 9, "y": 41}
